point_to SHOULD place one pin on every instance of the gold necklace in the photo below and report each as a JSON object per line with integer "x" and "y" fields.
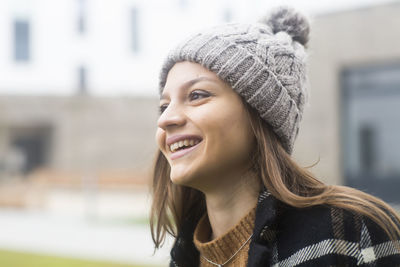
{"x": 222, "y": 264}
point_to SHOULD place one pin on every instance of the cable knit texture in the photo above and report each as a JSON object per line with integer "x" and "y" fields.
{"x": 264, "y": 62}
{"x": 221, "y": 249}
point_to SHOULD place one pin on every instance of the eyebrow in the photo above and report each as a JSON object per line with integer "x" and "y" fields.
{"x": 190, "y": 83}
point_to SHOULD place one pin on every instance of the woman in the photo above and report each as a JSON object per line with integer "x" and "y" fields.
{"x": 224, "y": 183}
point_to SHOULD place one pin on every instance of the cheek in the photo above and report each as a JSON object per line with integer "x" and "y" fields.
{"x": 229, "y": 137}
{"x": 239, "y": 140}
{"x": 160, "y": 139}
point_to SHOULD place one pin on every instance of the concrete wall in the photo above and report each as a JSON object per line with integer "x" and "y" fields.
{"x": 353, "y": 38}
{"x": 87, "y": 133}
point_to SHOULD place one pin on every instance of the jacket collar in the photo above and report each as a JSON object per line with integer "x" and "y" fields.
{"x": 260, "y": 251}
{"x": 184, "y": 253}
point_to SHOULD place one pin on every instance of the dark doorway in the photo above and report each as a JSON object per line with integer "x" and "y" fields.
{"x": 34, "y": 144}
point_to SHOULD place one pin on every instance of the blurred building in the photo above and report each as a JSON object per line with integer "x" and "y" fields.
{"x": 78, "y": 88}
{"x": 78, "y": 83}
{"x": 353, "y": 121}
{"x": 78, "y": 92}
{"x": 77, "y": 134}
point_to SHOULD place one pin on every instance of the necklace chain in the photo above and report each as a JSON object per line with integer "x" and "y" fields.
{"x": 221, "y": 265}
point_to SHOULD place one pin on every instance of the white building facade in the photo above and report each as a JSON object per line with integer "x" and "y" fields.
{"x": 101, "y": 47}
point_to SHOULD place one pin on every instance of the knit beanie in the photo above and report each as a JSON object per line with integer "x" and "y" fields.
{"x": 264, "y": 62}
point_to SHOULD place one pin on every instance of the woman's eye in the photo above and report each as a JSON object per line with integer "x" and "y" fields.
{"x": 198, "y": 94}
{"x": 163, "y": 108}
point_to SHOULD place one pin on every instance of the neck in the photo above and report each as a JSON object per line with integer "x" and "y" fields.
{"x": 229, "y": 204}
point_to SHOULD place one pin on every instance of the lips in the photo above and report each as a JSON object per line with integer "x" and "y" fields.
{"x": 180, "y": 145}
{"x": 183, "y": 144}
{"x": 183, "y": 152}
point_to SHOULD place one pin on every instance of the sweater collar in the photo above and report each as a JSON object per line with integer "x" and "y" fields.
{"x": 222, "y": 248}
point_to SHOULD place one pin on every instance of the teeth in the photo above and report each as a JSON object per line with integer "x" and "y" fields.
{"x": 174, "y": 146}
{"x": 182, "y": 143}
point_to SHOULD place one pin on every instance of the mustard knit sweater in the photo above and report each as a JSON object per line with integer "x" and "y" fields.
{"x": 222, "y": 248}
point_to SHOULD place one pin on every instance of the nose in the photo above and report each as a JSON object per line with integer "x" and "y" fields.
{"x": 172, "y": 116}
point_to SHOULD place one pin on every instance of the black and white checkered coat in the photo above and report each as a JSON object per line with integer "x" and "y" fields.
{"x": 317, "y": 236}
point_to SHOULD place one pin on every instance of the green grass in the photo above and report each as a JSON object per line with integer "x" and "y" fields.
{"x": 19, "y": 259}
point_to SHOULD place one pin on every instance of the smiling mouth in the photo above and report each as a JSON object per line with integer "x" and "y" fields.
{"x": 183, "y": 144}
{"x": 183, "y": 147}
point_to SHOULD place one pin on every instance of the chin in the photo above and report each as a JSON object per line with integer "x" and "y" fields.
{"x": 180, "y": 179}
{"x": 184, "y": 178}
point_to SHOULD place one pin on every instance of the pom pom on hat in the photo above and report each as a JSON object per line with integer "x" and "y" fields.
{"x": 286, "y": 19}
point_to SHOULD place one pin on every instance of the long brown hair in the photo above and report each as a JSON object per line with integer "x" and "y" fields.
{"x": 280, "y": 174}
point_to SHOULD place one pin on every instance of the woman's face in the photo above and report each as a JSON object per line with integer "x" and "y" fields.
{"x": 203, "y": 130}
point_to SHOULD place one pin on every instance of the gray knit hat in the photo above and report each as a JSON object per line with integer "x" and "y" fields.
{"x": 263, "y": 62}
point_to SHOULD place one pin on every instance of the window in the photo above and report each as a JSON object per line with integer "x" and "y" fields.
{"x": 183, "y": 3}
{"x": 21, "y": 40}
{"x": 371, "y": 129}
{"x": 367, "y": 148}
{"x": 81, "y": 18}
{"x": 82, "y": 80}
{"x": 135, "y": 29}
{"x": 227, "y": 15}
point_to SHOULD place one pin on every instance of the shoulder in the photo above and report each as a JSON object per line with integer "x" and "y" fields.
{"x": 330, "y": 222}
{"x": 334, "y": 236}
{"x": 322, "y": 221}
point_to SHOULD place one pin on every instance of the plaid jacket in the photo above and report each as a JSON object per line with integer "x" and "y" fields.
{"x": 317, "y": 236}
